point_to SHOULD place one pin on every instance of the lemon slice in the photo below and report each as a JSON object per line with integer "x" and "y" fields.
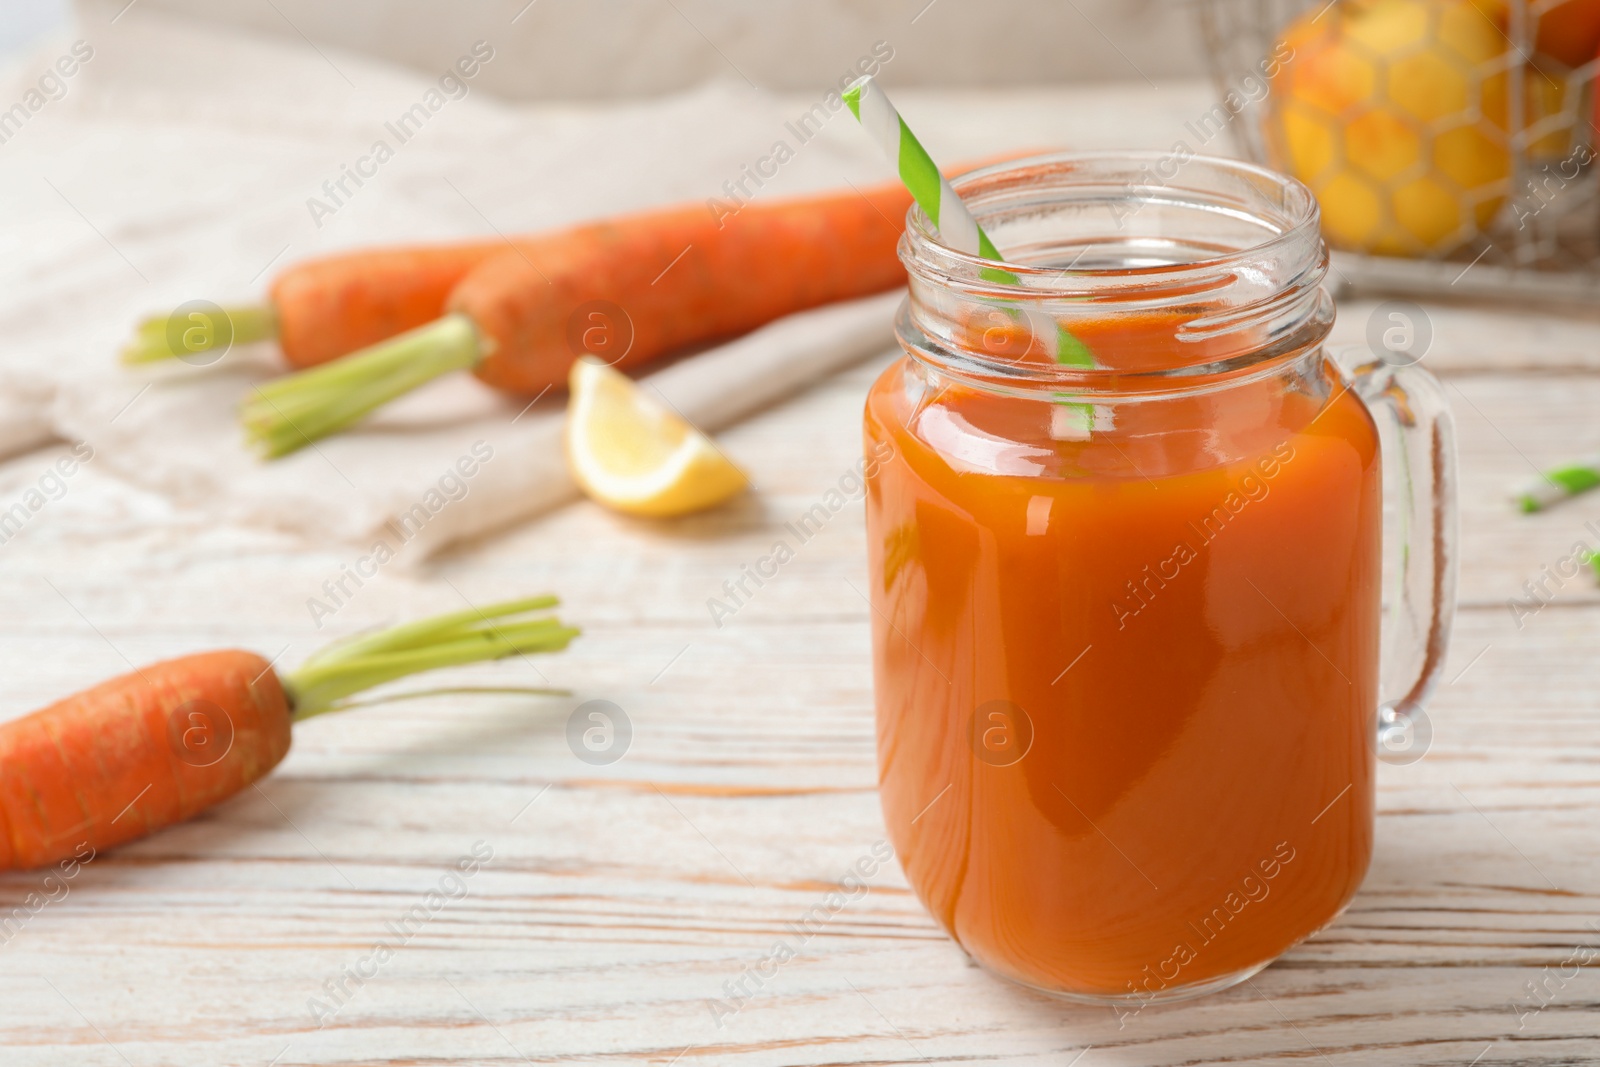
{"x": 635, "y": 455}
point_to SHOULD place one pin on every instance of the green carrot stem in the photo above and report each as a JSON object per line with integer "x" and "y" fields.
{"x": 424, "y": 631}
{"x": 163, "y": 337}
{"x": 453, "y": 690}
{"x": 511, "y": 636}
{"x": 322, "y": 692}
{"x": 328, "y": 677}
{"x": 296, "y": 410}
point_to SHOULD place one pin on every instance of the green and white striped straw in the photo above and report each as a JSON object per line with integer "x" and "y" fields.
{"x": 944, "y": 208}
{"x": 917, "y": 169}
{"x": 1557, "y": 485}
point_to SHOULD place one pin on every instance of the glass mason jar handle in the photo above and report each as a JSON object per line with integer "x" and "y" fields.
{"x": 1419, "y": 459}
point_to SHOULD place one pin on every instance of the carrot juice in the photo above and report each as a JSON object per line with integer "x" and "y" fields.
{"x": 1125, "y": 637}
{"x": 1112, "y": 704}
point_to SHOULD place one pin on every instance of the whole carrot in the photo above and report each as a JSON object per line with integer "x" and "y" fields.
{"x": 628, "y": 291}
{"x": 328, "y": 307}
{"x": 156, "y": 747}
{"x": 677, "y": 277}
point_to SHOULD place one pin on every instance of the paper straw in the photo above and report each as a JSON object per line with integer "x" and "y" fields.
{"x": 917, "y": 169}
{"x": 944, "y": 208}
{"x": 1557, "y": 485}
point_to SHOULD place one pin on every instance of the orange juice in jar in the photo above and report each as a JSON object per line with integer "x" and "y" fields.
{"x": 1127, "y": 614}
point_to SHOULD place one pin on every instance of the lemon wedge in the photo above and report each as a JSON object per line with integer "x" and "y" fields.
{"x": 635, "y": 455}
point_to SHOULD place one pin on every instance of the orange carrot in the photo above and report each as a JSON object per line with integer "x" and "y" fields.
{"x": 101, "y": 767}
{"x": 156, "y": 747}
{"x": 675, "y": 277}
{"x": 327, "y": 307}
{"x": 628, "y": 291}
{"x": 332, "y": 306}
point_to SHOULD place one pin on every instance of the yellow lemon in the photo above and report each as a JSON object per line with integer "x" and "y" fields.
{"x": 634, "y": 454}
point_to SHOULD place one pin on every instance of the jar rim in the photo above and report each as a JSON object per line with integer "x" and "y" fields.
{"x": 923, "y": 242}
{"x": 1231, "y": 260}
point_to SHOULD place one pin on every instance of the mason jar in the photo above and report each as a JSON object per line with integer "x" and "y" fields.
{"x": 1128, "y": 575}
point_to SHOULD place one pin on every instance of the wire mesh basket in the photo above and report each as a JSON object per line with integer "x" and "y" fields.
{"x": 1449, "y": 142}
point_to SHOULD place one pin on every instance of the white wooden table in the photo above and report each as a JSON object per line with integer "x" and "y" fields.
{"x": 621, "y": 899}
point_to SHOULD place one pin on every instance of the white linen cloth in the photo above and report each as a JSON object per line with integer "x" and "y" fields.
{"x": 178, "y": 163}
